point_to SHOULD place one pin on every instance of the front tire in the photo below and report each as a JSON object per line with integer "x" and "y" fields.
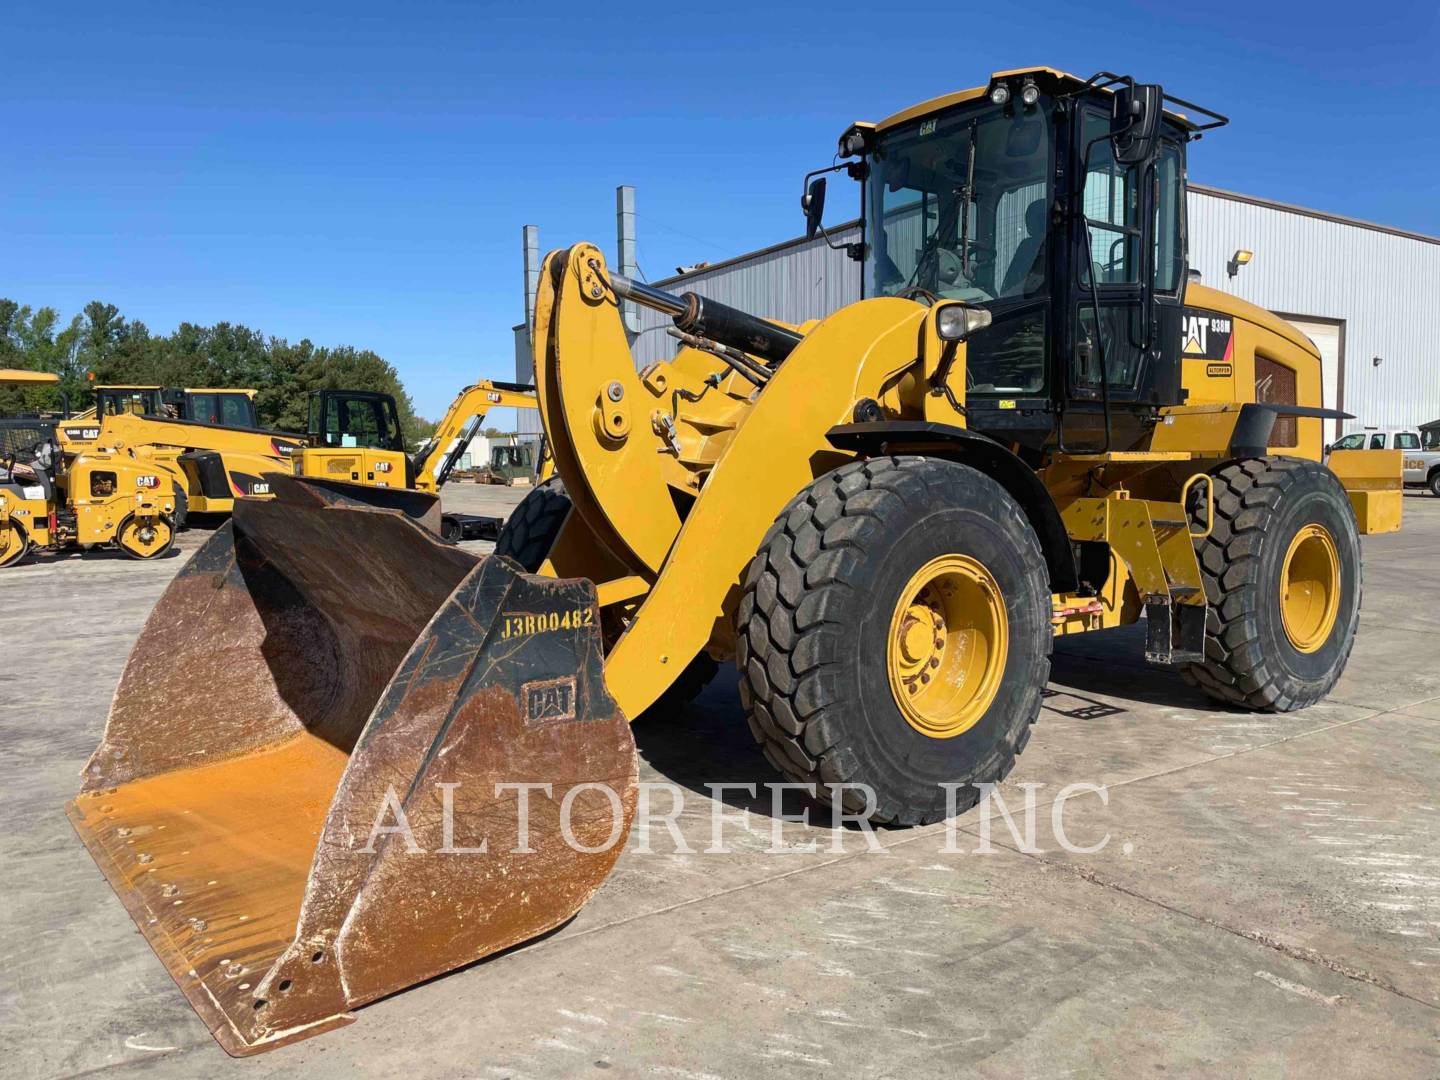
{"x": 1282, "y": 576}
{"x": 874, "y": 577}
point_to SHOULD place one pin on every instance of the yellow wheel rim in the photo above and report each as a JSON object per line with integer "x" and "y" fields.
{"x": 945, "y": 654}
{"x": 1310, "y": 588}
{"x": 145, "y": 536}
{"x": 12, "y": 543}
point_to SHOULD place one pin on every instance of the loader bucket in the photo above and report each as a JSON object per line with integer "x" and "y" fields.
{"x": 301, "y": 796}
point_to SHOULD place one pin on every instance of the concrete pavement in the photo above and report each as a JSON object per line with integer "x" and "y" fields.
{"x": 1267, "y": 901}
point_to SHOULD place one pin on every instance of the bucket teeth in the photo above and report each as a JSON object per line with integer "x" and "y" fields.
{"x": 345, "y": 757}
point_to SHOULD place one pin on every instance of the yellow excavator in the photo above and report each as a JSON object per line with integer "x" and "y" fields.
{"x": 355, "y": 437}
{"x": 1033, "y": 424}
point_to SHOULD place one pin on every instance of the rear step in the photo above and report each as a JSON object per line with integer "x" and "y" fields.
{"x": 319, "y": 669}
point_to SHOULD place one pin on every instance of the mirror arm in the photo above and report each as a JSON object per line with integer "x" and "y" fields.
{"x": 856, "y": 251}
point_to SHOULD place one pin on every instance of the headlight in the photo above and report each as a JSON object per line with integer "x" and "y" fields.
{"x": 1029, "y": 93}
{"x": 956, "y": 322}
{"x": 1001, "y": 94}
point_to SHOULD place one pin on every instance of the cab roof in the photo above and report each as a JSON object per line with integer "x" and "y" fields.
{"x": 1051, "y": 80}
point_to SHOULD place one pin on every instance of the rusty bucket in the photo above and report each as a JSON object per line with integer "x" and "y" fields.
{"x": 345, "y": 757}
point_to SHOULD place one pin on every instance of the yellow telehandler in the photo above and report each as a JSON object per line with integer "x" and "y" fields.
{"x": 1033, "y": 424}
{"x": 229, "y": 407}
{"x": 207, "y": 442}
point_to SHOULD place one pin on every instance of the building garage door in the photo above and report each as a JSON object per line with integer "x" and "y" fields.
{"x": 1328, "y": 335}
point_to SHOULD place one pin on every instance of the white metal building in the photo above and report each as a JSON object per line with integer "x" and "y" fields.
{"x": 1366, "y": 294}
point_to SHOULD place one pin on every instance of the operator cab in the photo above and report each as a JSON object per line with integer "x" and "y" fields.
{"x": 128, "y": 401}
{"x": 29, "y": 456}
{"x": 1054, "y": 209}
{"x": 354, "y": 419}
{"x": 227, "y": 408}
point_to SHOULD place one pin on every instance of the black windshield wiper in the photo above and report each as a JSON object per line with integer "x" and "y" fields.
{"x": 966, "y": 195}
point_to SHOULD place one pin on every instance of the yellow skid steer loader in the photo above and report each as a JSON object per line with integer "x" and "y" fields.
{"x": 884, "y": 517}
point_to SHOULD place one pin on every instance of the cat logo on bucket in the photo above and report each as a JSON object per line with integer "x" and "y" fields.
{"x": 549, "y": 702}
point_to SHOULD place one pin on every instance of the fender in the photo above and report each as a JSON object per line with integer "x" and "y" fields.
{"x": 986, "y": 455}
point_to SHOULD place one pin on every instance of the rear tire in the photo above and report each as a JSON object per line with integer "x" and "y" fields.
{"x": 816, "y": 630}
{"x": 1434, "y": 483}
{"x": 1269, "y": 512}
{"x": 530, "y": 531}
{"x": 450, "y": 530}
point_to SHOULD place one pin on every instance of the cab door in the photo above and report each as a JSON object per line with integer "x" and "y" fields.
{"x": 1127, "y": 280}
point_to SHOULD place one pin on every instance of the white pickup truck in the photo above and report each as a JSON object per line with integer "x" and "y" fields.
{"x": 1422, "y": 452}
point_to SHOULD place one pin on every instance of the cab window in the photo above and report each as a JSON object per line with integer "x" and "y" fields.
{"x": 1407, "y": 440}
{"x": 228, "y": 410}
{"x": 1112, "y": 206}
{"x": 127, "y": 403}
{"x": 1377, "y": 441}
{"x": 1169, "y": 222}
{"x": 1349, "y": 442}
{"x": 360, "y": 423}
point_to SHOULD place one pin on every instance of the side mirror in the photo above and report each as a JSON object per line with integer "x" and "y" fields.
{"x": 1135, "y": 122}
{"x": 813, "y": 203}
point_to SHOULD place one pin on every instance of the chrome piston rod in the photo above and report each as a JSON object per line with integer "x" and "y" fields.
{"x": 711, "y": 319}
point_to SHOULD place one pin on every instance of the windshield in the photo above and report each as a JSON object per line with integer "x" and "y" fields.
{"x": 958, "y": 205}
{"x": 230, "y": 410}
{"x": 127, "y": 403}
{"x": 368, "y": 423}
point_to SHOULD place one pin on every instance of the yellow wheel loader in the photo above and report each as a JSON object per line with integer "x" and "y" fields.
{"x": 50, "y": 500}
{"x": 1034, "y": 424}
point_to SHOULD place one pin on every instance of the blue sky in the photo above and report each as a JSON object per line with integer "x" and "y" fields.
{"x": 359, "y": 173}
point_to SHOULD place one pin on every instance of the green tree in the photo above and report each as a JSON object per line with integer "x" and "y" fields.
{"x": 99, "y": 346}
